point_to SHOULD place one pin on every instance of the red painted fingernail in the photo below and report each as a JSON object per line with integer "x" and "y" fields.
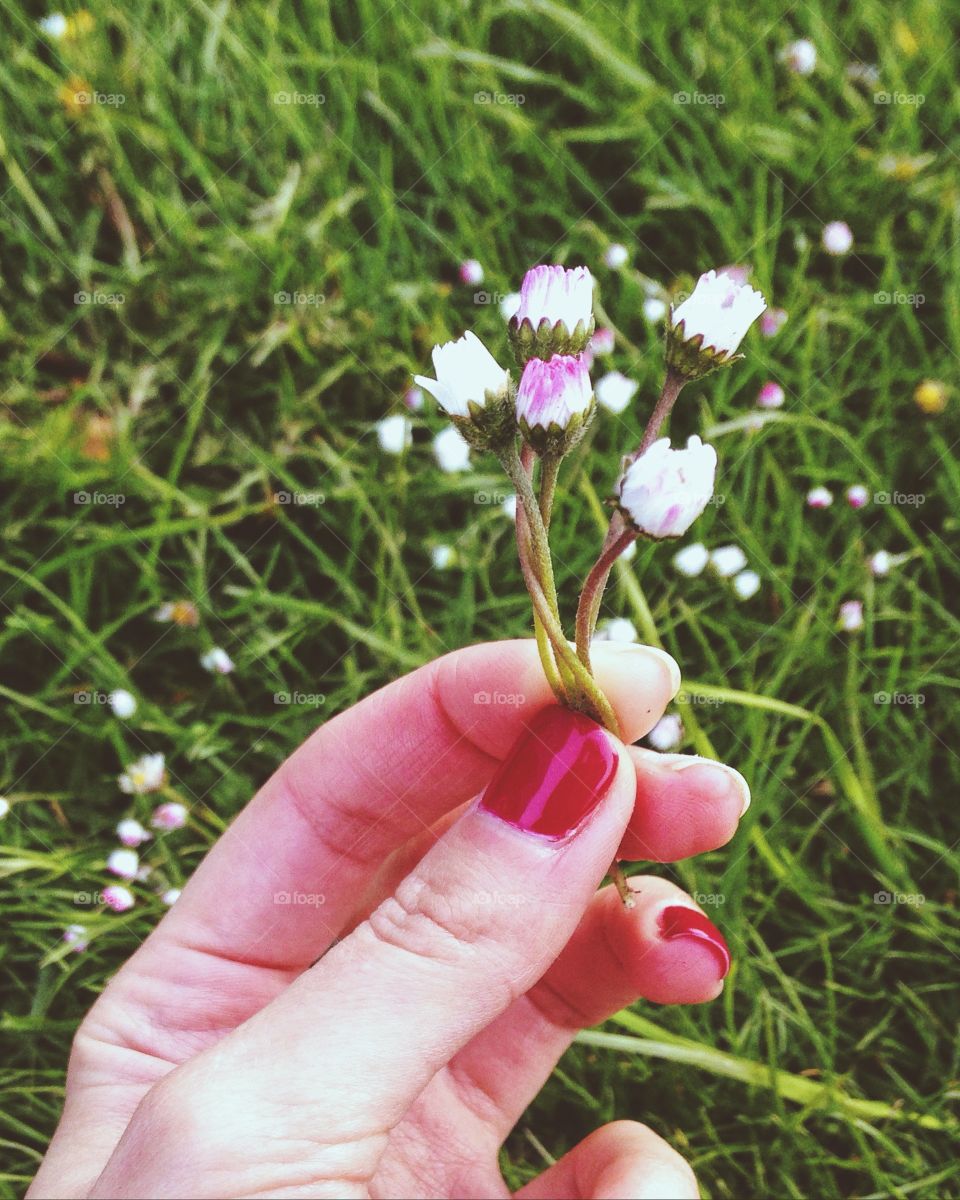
{"x": 555, "y": 776}
{"x": 679, "y": 921}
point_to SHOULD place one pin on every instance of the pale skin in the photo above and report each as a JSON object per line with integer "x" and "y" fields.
{"x": 381, "y": 1036}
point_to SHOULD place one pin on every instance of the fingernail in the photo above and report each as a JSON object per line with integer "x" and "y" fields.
{"x": 555, "y": 776}
{"x": 679, "y": 921}
{"x": 729, "y": 775}
{"x": 668, "y": 662}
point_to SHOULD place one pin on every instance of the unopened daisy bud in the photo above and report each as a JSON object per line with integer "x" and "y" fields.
{"x": 746, "y": 584}
{"x": 442, "y": 557}
{"x": 554, "y": 403}
{"x": 663, "y": 491}
{"x": 618, "y": 629}
{"x": 147, "y": 774}
{"x": 727, "y": 560}
{"x": 930, "y": 397}
{"x": 394, "y": 434}
{"x": 602, "y": 341}
{"x": 800, "y": 57}
{"x": 76, "y": 938}
{"x": 615, "y": 391}
{"x": 217, "y": 661}
{"x": 474, "y": 391}
{"x": 880, "y": 563}
{"x": 837, "y": 238}
{"x": 705, "y": 331}
{"x": 413, "y": 399}
{"x": 117, "y": 897}
{"x": 771, "y": 395}
{"x": 850, "y": 616}
{"x": 691, "y": 560}
{"x": 772, "y": 321}
{"x": 169, "y": 816}
{"x": 857, "y": 495}
{"x": 124, "y": 863}
{"x": 122, "y": 703}
{"x": 616, "y": 256}
{"x": 819, "y": 497}
{"x": 654, "y": 309}
{"x": 667, "y": 734}
{"x": 131, "y": 832}
{"x": 555, "y": 314}
{"x": 471, "y": 272}
{"x": 452, "y": 450}
{"x": 170, "y": 896}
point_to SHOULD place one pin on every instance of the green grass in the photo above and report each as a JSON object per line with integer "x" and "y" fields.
{"x": 200, "y": 198}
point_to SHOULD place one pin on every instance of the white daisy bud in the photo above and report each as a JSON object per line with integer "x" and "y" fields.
{"x": 691, "y": 560}
{"x": 54, "y": 26}
{"x": 603, "y": 341}
{"x": 857, "y": 495}
{"x": 123, "y": 703}
{"x": 131, "y": 832}
{"x": 471, "y": 272}
{"x": 771, "y": 395}
{"x": 800, "y": 57}
{"x": 554, "y": 402}
{"x": 772, "y": 321}
{"x": 850, "y": 616}
{"x": 452, "y": 450}
{"x": 147, "y": 774}
{"x": 4, "y": 807}
{"x": 837, "y": 238}
{"x": 394, "y": 433}
{"x": 706, "y": 330}
{"x": 880, "y": 563}
{"x": 727, "y": 560}
{"x": 442, "y": 557}
{"x": 413, "y": 399}
{"x": 170, "y": 896}
{"x": 555, "y": 314}
{"x": 654, "y": 309}
{"x": 667, "y": 734}
{"x": 616, "y": 256}
{"x": 473, "y": 390}
{"x": 118, "y": 898}
{"x": 124, "y": 863}
{"x": 171, "y": 815}
{"x": 746, "y": 584}
{"x": 76, "y": 938}
{"x": 819, "y": 497}
{"x": 618, "y": 629}
{"x": 615, "y": 391}
{"x": 217, "y": 661}
{"x": 663, "y": 491}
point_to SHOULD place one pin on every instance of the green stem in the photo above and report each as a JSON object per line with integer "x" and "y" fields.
{"x": 589, "y": 607}
{"x": 549, "y": 470}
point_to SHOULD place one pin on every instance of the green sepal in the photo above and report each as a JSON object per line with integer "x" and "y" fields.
{"x": 547, "y": 340}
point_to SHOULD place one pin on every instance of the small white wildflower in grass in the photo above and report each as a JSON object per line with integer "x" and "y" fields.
{"x": 850, "y": 616}
{"x": 555, "y": 315}
{"x": 471, "y": 272}
{"x": 602, "y": 341}
{"x": 667, "y": 734}
{"x": 171, "y": 815}
{"x": 616, "y": 256}
{"x": 147, "y": 774}
{"x": 654, "y": 309}
{"x": 617, "y": 629}
{"x": 746, "y": 584}
{"x": 180, "y": 612}
{"x": 413, "y": 399}
{"x": 118, "y": 898}
{"x": 865, "y": 74}
{"x": 819, "y": 497}
{"x": 4, "y": 807}
{"x": 727, "y": 561}
{"x": 217, "y": 661}
{"x": 509, "y": 305}
{"x": 772, "y": 321}
{"x": 451, "y": 450}
{"x": 170, "y": 896}
{"x": 837, "y": 238}
{"x": 144, "y": 871}
{"x": 76, "y": 938}
{"x": 615, "y": 391}
{"x": 131, "y": 832}
{"x": 54, "y": 26}
{"x": 800, "y": 57}
{"x": 442, "y": 557}
{"x": 771, "y": 395}
{"x": 123, "y": 703}
{"x": 394, "y": 434}
{"x": 554, "y": 402}
{"x": 880, "y": 564}
{"x": 124, "y": 863}
{"x": 509, "y": 506}
{"x": 664, "y": 491}
{"x": 706, "y": 330}
{"x": 857, "y": 495}
{"x": 691, "y": 560}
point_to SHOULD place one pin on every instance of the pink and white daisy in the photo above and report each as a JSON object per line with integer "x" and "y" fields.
{"x": 217, "y": 661}
{"x": 706, "y": 330}
{"x": 667, "y": 734}
{"x": 471, "y": 272}
{"x": 553, "y": 394}
{"x": 819, "y": 497}
{"x": 771, "y": 395}
{"x": 691, "y": 560}
{"x": 615, "y": 391}
{"x": 117, "y": 898}
{"x": 132, "y": 833}
{"x": 147, "y": 774}
{"x": 850, "y": 616}
{"x": 837, "y": 238}
{"x": 857, "y": 495}
{"x": 662, "y": 492}
{"x": 125, "y": 863}
{"x": 169, "y": 816}
{"x": 772, "y": 321}
{"x": 616, "y": 256}
{"x": 602, "y": 341}
{"x": 800, "y": 57}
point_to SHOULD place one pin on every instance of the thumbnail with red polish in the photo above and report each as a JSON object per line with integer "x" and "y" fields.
{"x": 556, "y": 774}
{"x": 679, "y": 921}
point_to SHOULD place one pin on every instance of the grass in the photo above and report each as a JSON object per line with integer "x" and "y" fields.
{"x": 830, "y": 1066}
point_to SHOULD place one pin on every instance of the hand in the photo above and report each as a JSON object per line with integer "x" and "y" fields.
{"x": 460, "y": 949}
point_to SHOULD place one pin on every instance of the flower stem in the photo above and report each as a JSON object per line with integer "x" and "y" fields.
{"x": 672, "y": 385}
{"x": 592, "y": 594}
{"x": 549, "y": 470}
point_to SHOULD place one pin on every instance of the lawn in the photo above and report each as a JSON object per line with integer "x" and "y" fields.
{"x": 218, "y": 271}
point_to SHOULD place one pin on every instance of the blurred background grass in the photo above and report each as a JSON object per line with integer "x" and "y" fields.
{"x": 355, "y": 154}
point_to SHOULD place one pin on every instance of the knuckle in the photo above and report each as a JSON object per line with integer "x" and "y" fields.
{"x": 425, "y": 921}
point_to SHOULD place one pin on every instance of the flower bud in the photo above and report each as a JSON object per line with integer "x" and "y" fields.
{"x": 555, "y": 314}
{"x": 555, "y": 403}
{"x": 705, "y": 331}
{"x": 663, "y": 491}
{"x": 473, "y": 390}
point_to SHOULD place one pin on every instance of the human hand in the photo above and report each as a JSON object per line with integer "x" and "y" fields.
{"x": 460, "y": 948}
